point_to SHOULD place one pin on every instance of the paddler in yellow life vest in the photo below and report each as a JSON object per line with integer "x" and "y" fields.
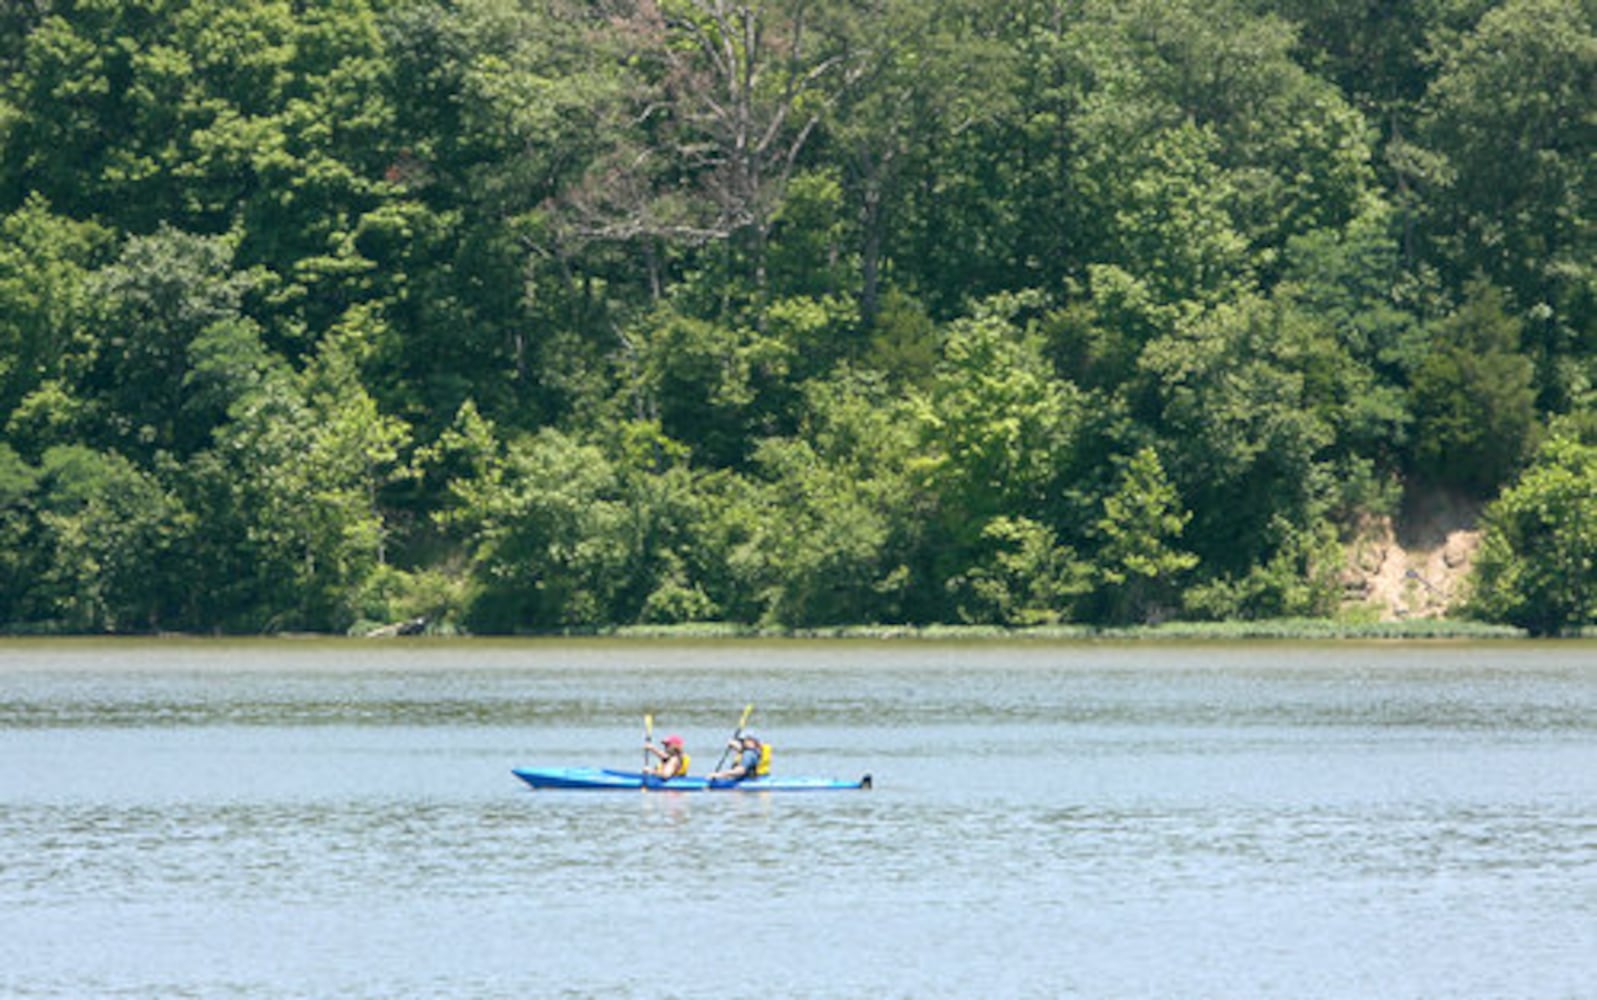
{"x": 673, "y": 759}
{"x": 753, "y": 759}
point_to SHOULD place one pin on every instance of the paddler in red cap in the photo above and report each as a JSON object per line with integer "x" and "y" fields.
{"x": 673, "y": 759}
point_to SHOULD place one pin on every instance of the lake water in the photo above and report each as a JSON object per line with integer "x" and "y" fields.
{"x": 338, "y": 819}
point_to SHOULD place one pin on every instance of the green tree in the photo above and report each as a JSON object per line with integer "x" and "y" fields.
{"x": 17, "y": 482}
{"x": 834, "y": 522}
{"x": 1203, "y": 146}
{"x": 700, "y": 380}
{"x": 567, "y": 534}
{"x": 1356, "y": 339}
{"x": 45, "y": 262}
{"x": 1349, "y": 282}
{"x": 1375, "y": 52}
{"x": 302, "y": 464}
{"x": 493, "y": 288}
{"x": 1474, "y": 397}
{"x": 930, "y": 97}
{"x": 170, "y": 301}
{"x": 808, "y": 253}
{"x": 997, "y": 426}
{"x": 99, "y": 544}
{"x": 548, "y": 529}
{"x": 1301, "y": 578}
{"x": 69, "y": 87}
{"x": 821, "y": 547}
{"x": 675, "y": 559}
{"x": 1022, "y": 577}
{"x": 1175, "y": 225}
{"x": 1228, "y": 392}
{"x": 1139, "y": 565}
{"x": 1510, "y": 113}
{"x": 998, "y": 437}
{"x": 1537, "y": 566}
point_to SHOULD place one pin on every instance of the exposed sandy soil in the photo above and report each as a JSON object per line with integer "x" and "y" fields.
{"x": 1415, "y": 566}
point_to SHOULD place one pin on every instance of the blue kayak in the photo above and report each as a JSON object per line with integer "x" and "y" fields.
{"x": 600, "y": 779}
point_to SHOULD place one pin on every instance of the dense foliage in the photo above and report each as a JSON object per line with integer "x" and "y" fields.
{"x": 533, "y": 314}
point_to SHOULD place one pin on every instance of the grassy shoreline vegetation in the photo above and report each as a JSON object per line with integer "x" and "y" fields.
{"x": 1024, "y": 318}
{"x": 1225, "y": 631}
{"x": 1418, "y": 630}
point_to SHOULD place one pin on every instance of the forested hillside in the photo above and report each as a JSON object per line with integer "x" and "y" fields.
{"x": 543, "y": 314}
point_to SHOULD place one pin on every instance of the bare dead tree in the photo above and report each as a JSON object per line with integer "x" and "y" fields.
{"x": 729, "y": 93}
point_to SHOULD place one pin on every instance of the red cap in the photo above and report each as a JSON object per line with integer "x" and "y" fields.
{"x": 673, "y": 740}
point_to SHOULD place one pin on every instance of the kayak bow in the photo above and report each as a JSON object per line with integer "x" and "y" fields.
{"x": 605, "y": 779}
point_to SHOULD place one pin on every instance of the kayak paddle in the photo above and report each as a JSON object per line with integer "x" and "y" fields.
{"x": 736, "y": 734}
{"x": 648, "y": 737}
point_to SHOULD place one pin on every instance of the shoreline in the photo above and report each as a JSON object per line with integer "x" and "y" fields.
{"x": 1275, "y": 629}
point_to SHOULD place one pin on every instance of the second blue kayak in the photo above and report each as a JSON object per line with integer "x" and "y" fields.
{"x": 601, "y": 779}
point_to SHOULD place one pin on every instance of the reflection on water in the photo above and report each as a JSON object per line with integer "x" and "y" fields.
{"x": 1050, "y": 820}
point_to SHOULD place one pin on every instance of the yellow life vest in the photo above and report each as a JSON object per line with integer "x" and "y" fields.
{"x": 683, "y": 771}
{"x": 763, "y": 768}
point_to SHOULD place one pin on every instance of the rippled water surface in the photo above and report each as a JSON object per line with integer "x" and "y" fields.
{"x": 338, "y": 819}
